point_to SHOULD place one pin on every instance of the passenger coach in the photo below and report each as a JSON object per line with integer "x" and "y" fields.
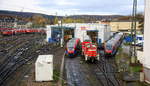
{"x": 73, "y": 47}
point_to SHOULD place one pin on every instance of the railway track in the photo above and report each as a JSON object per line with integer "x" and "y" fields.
{"x": 75, "y": 75}
{"x": 108, "y": 72}
{"x": 8, "y": 42}
{"x": 20, "y": 57}
{"x": 15, "y": 48}
{"x": 9, "y": 39}
{"x": 13, "y": 57}
{"x": 33, "y": 53}
{"x": 90, "y": 73}
{"x": 100, "y": 73}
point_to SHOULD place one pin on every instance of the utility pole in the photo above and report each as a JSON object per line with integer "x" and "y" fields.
{"x": 62, "y": 34}
{"x": 133, "y": 32}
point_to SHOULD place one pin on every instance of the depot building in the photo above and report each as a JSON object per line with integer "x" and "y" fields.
{"x": 99, "y": 33}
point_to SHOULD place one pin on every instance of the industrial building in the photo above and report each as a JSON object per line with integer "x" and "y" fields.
{"x": 99, "y": 33}
{"x": 121, "y": 25}
{"x": 124, "y": 26}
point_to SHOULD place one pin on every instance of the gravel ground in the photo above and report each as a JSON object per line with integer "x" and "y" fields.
{"x": 81, "y": 73}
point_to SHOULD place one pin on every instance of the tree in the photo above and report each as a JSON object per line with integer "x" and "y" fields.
{"x": 140, "y": 18}
{"x": 56, "y": 20}
{"x": 71, "y": 20}
{"x": 38, "y": 21}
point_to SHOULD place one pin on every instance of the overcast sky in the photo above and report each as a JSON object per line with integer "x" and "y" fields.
{"x": 72, "y": 7}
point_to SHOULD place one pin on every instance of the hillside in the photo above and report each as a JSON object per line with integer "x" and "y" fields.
{"x": 86, "y": 18}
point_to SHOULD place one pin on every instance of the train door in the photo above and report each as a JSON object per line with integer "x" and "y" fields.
{"x": 56, "y": 35}
{"x": 68, "y": 34}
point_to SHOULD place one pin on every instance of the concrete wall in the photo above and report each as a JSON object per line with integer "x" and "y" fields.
{"x": 147, "y": 41}
{"x": 140, "y": 56}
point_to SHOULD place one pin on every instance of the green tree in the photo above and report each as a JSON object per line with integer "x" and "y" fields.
{"x": 56, "y": 20}
{"x": 71, "y": 20}
{"x": 39, "y": 21}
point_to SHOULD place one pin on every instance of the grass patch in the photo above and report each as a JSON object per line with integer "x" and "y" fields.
{"x": 121, "y": 55}
{"x": 64, "y": 83}
{"x": 118, "y": 55}
{"x": 127, "y": 43}
{"x": 120, "y": 50}
{"x": 135, "y": 68}
{"x": 56, "y": 75}
{"x": 122, "y": 60}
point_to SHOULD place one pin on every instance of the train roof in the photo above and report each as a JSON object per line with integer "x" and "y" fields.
{"x": 72, "y": 42}
{"x": 114, "y": 39}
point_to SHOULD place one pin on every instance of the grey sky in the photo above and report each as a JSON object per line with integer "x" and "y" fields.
{"x": 71, "y": 7}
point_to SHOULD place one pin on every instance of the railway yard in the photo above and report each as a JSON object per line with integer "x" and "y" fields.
{"x": 18, "y": 54}
{"x": 74, "y": 43}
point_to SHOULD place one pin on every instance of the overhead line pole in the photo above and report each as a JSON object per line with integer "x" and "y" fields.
{"x": 131, "y": 47}
{"x": 133, "y": 32}
{"x": 135, "y": 20}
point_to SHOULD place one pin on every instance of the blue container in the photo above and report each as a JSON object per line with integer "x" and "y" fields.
{"x": 100, "y": 45}
{"x": 51, "y": 40}
{"x": 99, "y": 41}
{"x": 128, "y": 39}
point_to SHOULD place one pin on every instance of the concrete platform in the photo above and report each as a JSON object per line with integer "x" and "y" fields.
{"x": 147, "y": 74}
{"x": 128, "y": 77}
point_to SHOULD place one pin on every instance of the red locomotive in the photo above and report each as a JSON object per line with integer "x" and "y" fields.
{"x": 83, "y": 45}
{"x": 89, "y": 51}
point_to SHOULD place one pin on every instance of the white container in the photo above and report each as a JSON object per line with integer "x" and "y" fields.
{"x": 44, "y": 68}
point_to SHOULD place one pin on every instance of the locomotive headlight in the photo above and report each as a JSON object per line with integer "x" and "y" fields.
{"x": 72, "y": 49}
